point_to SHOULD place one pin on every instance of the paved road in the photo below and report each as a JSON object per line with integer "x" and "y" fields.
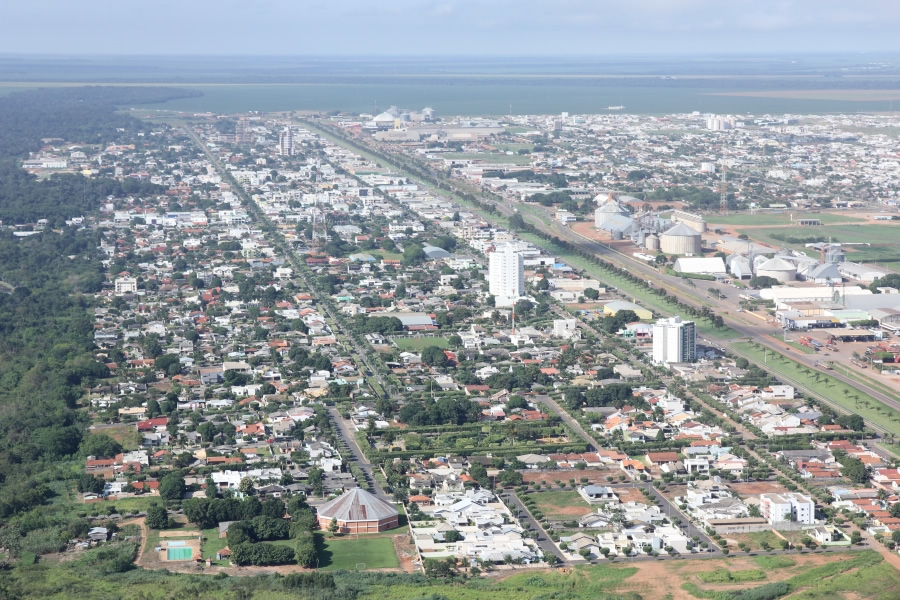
{"x": 568, "y": 420}
{"x": 543, "y": 540}
{"x": 356, "y": 453}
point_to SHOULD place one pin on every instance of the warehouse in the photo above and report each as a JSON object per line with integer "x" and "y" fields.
{"x": 700, "y": 266}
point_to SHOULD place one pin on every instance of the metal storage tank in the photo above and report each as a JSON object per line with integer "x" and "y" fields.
{"x": 681, "y": 239}
{"x": 652, "y": 242}
{"x": 617, "y": 235}
{"x": 777, "y": 268}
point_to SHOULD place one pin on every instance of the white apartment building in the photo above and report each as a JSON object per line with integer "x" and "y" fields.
{"x": 506, "y": 270}
{"x": 126, "y": 285}
{"x": 286, "y": 142}
{"x": 674, "y": 341}
{"x": 783, "y": 508}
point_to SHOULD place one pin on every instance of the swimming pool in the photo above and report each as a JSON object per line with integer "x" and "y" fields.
{"x": 182, "y": 553}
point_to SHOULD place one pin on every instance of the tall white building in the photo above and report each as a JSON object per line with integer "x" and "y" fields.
{"x": 286, "y": 142}
{"x": 674, "y": 341}
{"x": 506, "y": 271}
{"x": 781, "y": 508}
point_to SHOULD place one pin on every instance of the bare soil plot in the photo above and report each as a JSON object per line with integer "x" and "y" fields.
{"x": 754, "y": 488}
{"x": 593, "y": 476}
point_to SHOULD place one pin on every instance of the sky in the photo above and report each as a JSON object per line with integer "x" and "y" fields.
{"x": 447, "y": 27}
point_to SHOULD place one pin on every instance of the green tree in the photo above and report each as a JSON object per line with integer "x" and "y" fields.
{"x": 171, "y": 487}
{"x": 434, "y": 356}
{"x": 157, "y": 517}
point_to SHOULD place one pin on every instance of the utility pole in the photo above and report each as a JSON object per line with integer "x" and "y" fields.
{"x": 723, "y": 191}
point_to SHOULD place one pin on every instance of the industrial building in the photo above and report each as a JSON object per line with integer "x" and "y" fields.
{"x": 681, "y": 240}
{"x": 698, "y": 265}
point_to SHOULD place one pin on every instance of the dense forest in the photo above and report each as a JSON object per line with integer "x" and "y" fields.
{"x": 45, "y": 321}
{"x": 82, "y": 114}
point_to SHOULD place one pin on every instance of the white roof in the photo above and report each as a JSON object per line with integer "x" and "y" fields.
{"x": 697, "y": 264}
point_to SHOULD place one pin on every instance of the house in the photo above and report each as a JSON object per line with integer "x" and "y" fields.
{"x": 598, "y": 494}
{"x": 98, "y": 534}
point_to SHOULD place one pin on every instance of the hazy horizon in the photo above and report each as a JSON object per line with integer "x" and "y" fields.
{"x": 399, "y": 28}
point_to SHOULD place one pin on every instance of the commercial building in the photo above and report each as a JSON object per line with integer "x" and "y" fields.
{"x": 506, "y": 275}
{"x": 787, "y": 507}
{"x": 674, "y": 341}
{"x": 358, "y": 511}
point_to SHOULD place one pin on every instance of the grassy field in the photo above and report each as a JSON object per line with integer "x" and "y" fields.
{"x": 827, "y": 387}
{"x": 563, "y": 506}
{"x": 212, "y": 543}
{"x": 374, "y": 552}
{"x": 779, "y": 219}
{"x": 417, "y": 344}
{"x": 884, "y": 240}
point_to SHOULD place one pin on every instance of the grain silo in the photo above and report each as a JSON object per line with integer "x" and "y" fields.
{"x": 681, "y": 240}
{"x": 778, "y": 269}
{"x": 652, "y": 242}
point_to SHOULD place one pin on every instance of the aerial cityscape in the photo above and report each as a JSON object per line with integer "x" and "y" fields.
{"x": 318, "y": 323}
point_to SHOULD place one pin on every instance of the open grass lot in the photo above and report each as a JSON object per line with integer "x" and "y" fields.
{"x": 212, "y": 543}
{"x": 562, "y": 505}
{"x": 418, "y": 343}
{"x": 884, "y": 240}
{"x": 827, "y": 387}
{"x": 126, "y": 434}
{"x": 347, "y": 553}
{"x": 783, "y": 218}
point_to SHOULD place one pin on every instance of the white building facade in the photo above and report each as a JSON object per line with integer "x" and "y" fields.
{"x": 506, "y": 275}
{"x": 674, "y": 341}
{"x": 788, "y": 507}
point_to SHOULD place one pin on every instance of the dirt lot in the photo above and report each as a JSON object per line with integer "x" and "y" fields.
{"x": 754, "y": 488}
{"x": 657, "y": 580}
{"x": 630, "y": 494}
{"x": 406, "y": 553}
{"x": 593, "y": 475}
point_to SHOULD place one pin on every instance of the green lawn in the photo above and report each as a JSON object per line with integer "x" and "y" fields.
{"x": 212, "y": 543}
{"x": 779, "y": 219}
{"x": 826, "y": 387}
{"x": 348, "y": 552}
{"x": 559, "y": 505}
{"x": 417, "y": 344}
{"x": 124, "y": 506}
{"x": 885, "y": 240}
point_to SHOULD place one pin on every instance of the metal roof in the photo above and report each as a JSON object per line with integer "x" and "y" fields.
{"x": 357, "y": 505}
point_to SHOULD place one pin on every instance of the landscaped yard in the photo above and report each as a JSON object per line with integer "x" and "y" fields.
{"x": 352, "y": 553}
{"x": 562, "y": 505}
{"x": 827, "y": 387}
{"x": 418, "y": 343}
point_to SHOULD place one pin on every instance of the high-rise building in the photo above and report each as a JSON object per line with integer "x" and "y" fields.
{"x": 286, "y": 141}
{"x": 506, "y": 271}
{"x": 674, "y": 341}
{"x": 242, "y": 132}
